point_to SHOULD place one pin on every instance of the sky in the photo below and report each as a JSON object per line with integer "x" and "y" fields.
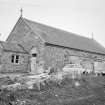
{"x": 82, "y": 17}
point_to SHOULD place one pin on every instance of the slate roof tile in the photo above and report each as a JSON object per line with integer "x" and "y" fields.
{"x": 12, "y": 47}
{"x": 63, "y": 38}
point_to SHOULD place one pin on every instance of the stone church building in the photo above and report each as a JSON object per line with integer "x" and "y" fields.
{"x": 38, "y": 46}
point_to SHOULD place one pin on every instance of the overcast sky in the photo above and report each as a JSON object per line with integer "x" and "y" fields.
{"x": 78, "y": 16}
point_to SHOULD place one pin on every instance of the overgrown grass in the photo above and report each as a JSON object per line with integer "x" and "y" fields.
{"x": 89, "y": 92}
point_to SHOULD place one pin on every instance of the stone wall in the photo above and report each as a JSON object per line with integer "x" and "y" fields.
{"x": 8, "y": 66}
{"x": 23, "y": 35}
{"x": 59, "y": 56}
{"x": 53, "y": 56}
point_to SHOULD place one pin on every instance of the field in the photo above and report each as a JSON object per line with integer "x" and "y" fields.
{"x": 88, "y": 90}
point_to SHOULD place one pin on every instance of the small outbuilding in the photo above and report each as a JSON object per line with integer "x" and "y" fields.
{"x": 13, "y": 58}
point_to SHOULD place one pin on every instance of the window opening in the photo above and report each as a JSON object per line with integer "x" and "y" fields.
{"x": 15, "y": 58}
{"x": 34, "y": 55}
{"x": 12, "y": 58}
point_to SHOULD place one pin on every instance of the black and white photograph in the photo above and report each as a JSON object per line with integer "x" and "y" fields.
{"x": 52, "y": 52}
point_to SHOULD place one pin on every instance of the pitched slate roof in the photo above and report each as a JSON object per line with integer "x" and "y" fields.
{"x": 7, "y": 46}
{"x": 63, "y": 38}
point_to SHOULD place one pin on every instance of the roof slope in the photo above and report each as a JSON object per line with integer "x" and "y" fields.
{"x": 12, "y": 47}
{"x": 67, "y": 39}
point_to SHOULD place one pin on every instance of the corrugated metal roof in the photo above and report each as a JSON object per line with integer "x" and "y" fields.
{"x": 67, "y": 39}
{"x": 12, "y": 47}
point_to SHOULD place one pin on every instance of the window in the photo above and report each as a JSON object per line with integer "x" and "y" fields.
{"x": 34, "y": 55}
{"x": 15, "y": 58}
{"x": 12, "y": 58}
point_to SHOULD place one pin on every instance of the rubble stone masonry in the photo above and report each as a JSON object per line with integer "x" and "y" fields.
{"x": 60, "y": 56}
{"x": 8, "y": 66}
{"x": 52, "y": 55}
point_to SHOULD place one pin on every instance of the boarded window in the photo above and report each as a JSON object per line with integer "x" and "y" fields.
{"x": 99, "y": 65}
{"x": 74, "y": 60}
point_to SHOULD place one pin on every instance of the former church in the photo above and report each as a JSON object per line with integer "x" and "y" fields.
{"x": 32, "y": 46}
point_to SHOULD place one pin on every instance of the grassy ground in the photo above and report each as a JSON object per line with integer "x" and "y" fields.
{"x": 91, "y": 91}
